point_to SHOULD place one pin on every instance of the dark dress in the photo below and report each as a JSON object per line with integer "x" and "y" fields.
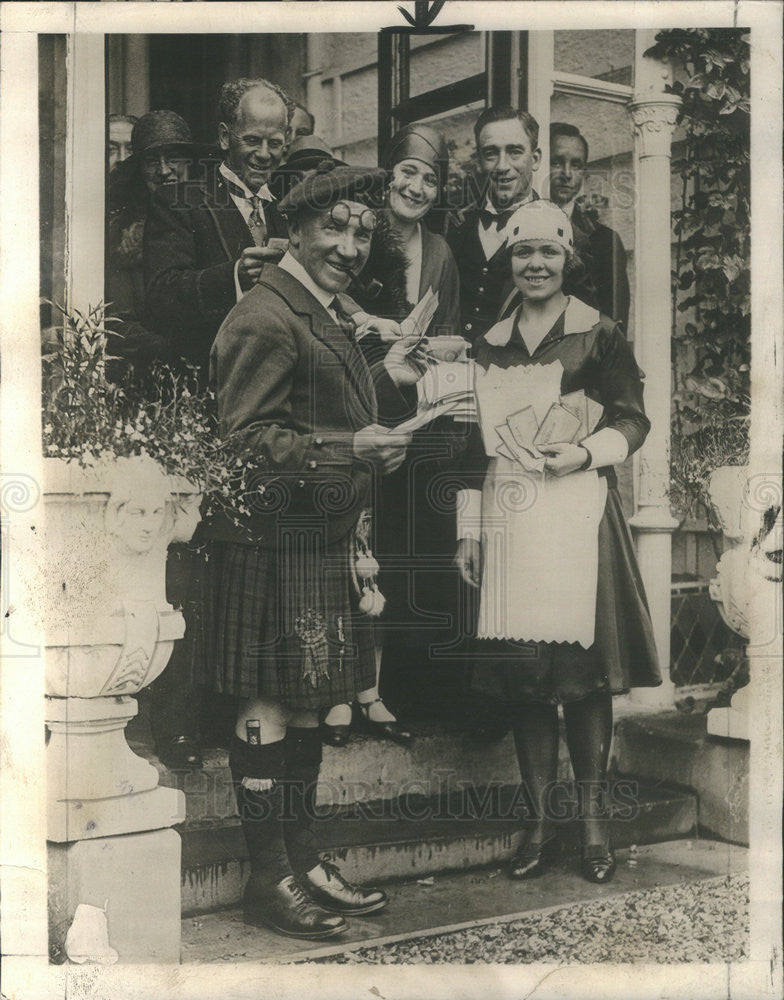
{"x": 599, "y": 361}
{"x": 423, "y": 636}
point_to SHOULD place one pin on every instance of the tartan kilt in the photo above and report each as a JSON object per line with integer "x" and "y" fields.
{"x": 283, "y": 622}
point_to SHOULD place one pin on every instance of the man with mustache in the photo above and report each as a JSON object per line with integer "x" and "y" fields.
{"x": 206, "y": 240}
{"x": 507, "y": 143}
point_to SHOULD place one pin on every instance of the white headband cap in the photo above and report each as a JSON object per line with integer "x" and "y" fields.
{"x": 540, "y": 220}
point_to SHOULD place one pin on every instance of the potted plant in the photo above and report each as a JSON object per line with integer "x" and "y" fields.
{"x": 128, "y": 458}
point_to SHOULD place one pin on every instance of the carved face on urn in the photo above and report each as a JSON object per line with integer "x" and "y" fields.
{"x": 136, "y": 512}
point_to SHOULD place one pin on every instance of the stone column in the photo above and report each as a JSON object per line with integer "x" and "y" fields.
{"x": 653, "y": 115}
{"x": 85, "y": 171}
{"x": 22, "y": 765}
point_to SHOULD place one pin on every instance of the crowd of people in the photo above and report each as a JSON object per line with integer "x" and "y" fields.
{"x": 286, "y": 276}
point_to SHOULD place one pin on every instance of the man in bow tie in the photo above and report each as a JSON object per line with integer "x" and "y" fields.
{"x": 206, "y": 240}
{"x": 508, "y": 154}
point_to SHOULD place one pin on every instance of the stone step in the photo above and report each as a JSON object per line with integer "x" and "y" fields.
{"x": 415, "y": 836}
{"x": 676, "y": 749}
{"x": 441, "y": 758}
{"x": 466, "y": 899}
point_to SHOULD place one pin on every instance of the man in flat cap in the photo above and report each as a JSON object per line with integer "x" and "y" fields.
{"x": 290, "y": 593}
{"x": 206, "y": 240}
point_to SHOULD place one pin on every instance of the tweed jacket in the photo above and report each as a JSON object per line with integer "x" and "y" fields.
{"x": 193, "y": 237}
{"x": 295, "y": 387}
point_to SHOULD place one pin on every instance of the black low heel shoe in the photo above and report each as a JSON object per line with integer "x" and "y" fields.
{"x": 531, "y": 859}
{"x": 598, "y": 863}
{"x": 381, "y": 730}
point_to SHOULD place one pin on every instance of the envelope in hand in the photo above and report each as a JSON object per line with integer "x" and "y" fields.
{"x": 586, "y": 409}
{"x": 520, "y": 455}
{"x": 560, "y": 426}
{"x": 524, "y": 428}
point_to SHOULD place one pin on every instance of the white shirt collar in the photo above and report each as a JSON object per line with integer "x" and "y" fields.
{"x": 264, "y": 192}
{"x": 290, "y": 264}
{"x": 568, "y": 208}
{"x": 490, "y": 207}
{"x": 578, "y": 316}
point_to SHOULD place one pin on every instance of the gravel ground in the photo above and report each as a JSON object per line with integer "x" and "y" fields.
{"x": 704, "y": 921}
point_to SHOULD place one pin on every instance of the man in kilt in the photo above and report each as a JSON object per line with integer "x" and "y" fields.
{"x": 289, "y": 592}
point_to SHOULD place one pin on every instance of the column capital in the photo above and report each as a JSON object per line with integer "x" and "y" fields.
{"x": 653, "y": 120}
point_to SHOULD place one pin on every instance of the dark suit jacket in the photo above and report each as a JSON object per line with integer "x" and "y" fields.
{"x": 606, "y": 284}
{"x": 295, "y": 388}
{"x": 484, "y": 284}
{"x": 193, "y": 237}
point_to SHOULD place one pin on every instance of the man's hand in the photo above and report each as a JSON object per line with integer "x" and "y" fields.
{"x": 468, "y": 560}
{"x": 386, "y": 449}
{"x": 386, "y": 329}
{"x": 252, "y": 259}
{"x": 564, "y": 458}
{"x": 406, "y": 360}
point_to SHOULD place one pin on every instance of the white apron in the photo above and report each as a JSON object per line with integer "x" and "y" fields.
{"x": 539, "y": 533}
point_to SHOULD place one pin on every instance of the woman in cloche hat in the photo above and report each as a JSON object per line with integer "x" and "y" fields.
{"x": 563, "y": 618}
{"x": 406, "y": 259}
{"x": 162, "y": 147}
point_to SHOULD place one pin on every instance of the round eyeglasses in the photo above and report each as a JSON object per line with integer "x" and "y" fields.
{"x": 341, "y": 215}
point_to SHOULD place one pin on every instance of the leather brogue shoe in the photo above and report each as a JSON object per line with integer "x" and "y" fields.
{"x": 180, "y": 753}
{"x": 287, "y": 909}
{"x": 339, "y": 896}
{"x": 598, "y": 863}
{"x": 530, "y": 859}
{"x": 334, "y": 736}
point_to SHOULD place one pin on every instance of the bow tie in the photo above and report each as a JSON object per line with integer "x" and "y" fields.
{"x": 497, "y": 219}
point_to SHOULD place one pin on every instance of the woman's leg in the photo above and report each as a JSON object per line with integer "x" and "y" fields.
{"x": 589, "y": 726}
{"x": 375, "y": 710}
{"x": 535, "y": 729}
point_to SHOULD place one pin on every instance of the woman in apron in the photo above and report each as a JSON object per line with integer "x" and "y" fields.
{"x": 563, "y": 617}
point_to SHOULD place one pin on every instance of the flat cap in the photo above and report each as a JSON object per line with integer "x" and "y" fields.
{"x": 328, "y": 183}
{"x": 305, "y": 153}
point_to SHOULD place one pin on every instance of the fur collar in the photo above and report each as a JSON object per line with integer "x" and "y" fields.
{"x": 381, "y": 285}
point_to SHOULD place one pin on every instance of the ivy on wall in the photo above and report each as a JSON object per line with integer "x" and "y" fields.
{"x": 711, "y": 272}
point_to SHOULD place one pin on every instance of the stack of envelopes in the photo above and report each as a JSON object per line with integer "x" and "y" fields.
{"x": 524, "y": 433}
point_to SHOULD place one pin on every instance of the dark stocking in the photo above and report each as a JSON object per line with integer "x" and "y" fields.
{"x": 589, "y": 726}
{"x": 535, "y": 729}
{"x": 260, "y": 812}
{"x": 302, "y": 749}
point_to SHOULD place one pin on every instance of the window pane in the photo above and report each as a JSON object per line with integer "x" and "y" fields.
{"x": 436, "y": 63}
{"x": 603, "y": 55}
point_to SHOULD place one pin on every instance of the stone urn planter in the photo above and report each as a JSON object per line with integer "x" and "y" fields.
{"x": 748, "y": 574}
{"x": 100, "y": 601}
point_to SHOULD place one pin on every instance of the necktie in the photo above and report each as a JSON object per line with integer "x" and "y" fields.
{"x": 256, "y": 219}
{"x": 497, "y": 219}
{"x": 256, "y": 222}
{"x": 345, "y": 322}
